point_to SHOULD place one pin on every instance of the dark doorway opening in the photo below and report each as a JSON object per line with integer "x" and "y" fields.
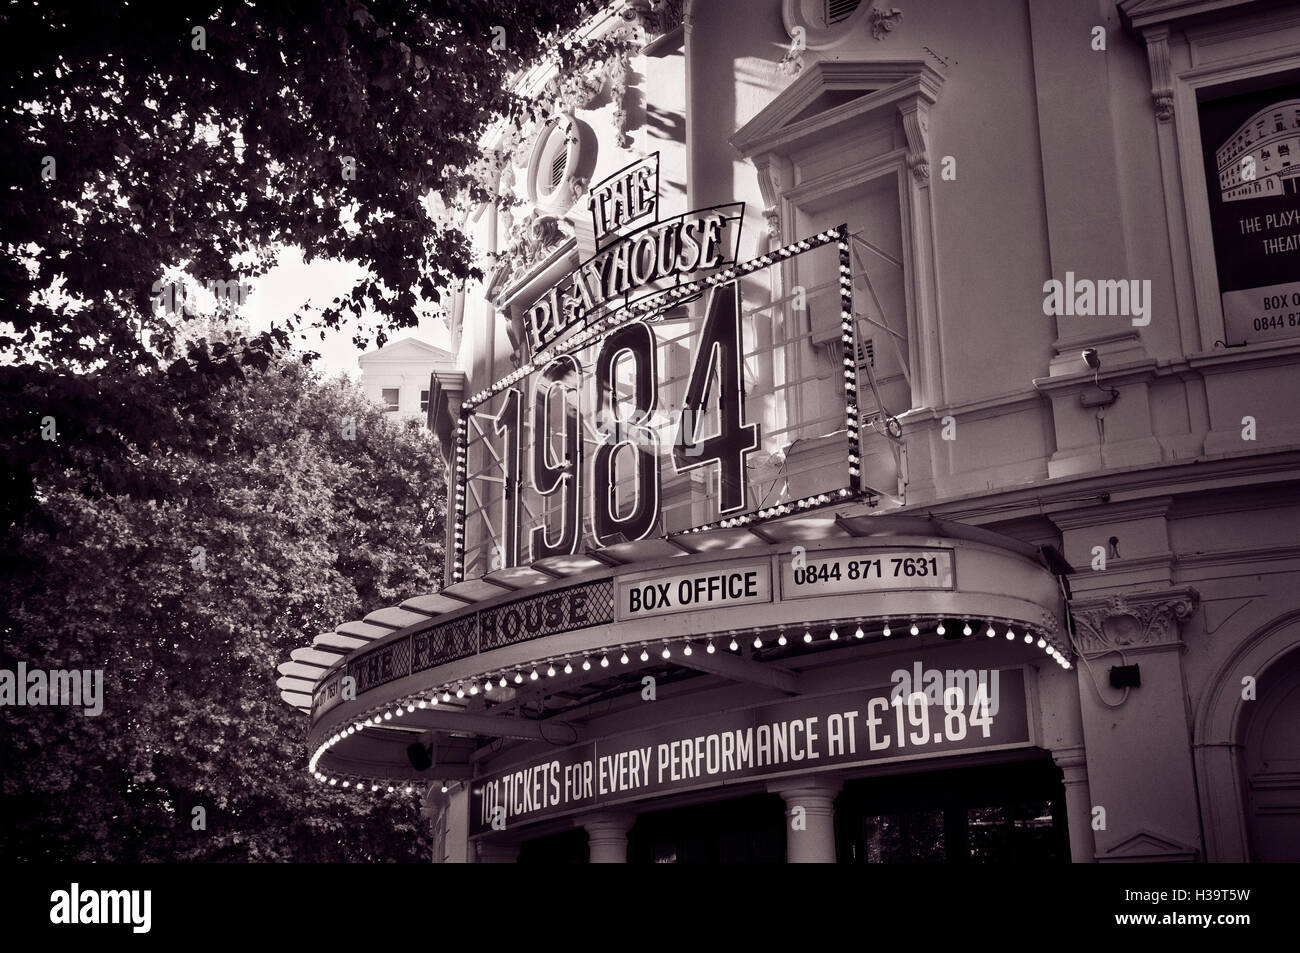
{"x": 745, "y": 830}
{"x": 566, "y": 847}
{"x": 1010, "y": 813}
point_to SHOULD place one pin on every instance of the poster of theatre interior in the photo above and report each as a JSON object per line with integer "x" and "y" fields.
{"x": 668, "y": 388}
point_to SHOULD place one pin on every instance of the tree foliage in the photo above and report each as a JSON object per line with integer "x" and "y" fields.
{"x": 299, "y": 528}
{"x": 205, "y": 136}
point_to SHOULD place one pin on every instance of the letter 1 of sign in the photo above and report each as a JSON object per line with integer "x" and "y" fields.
{"x": 720, "y": 344}
{"x": 509, "y": 426}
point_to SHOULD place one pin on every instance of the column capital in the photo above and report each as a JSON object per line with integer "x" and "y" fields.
{"x": 1131, "y": 620}
{"x": 607, "y": 835}
{"x": 794, "y": 790}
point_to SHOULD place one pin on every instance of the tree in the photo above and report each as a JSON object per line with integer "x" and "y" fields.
{"x": 204, "y": 136}
{"x": 278, "y": 529}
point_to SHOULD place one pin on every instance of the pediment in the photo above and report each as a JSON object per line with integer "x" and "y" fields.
{"x": 830, "y": 93}
{"x": 1146, "y": 847}
{"x": 407, "y": 349}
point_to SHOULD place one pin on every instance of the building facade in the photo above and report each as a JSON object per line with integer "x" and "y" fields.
{"x": 397, "y": 375}
{"x": 875, "y": 440}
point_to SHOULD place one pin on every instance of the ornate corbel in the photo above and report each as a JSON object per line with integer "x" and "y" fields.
{"x": 1131, "y": 620}
{"x": 1162, "y": 84}
{"x": 774, "y": 177}
{"x": 916, "y": 125}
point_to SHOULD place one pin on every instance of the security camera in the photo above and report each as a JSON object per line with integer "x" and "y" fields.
{"x": 1091, "y": 359}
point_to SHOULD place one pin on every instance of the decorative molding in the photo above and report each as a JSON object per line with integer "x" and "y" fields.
{"x": 581, "y": 90}
{"x": 1146, "y": 846}
{"x": 1162, "y": 82}
{"x": 619, "y": 66}
{"x": 531, "y": 241}
{"x": 655, "y": 18}
{"x": 1131, "y": 620}
{"x": 884, "y": 22}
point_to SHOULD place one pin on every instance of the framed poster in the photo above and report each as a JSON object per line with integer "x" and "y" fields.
{"x": 1250, "y": 144}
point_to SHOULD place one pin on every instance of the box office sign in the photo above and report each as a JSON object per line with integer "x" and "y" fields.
{"x": 1251, "y": 149}
{"x": 733, "y": 585}
{"x": 860, "y": 727}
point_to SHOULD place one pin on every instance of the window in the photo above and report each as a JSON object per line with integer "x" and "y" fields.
{"x": 565, "y": 151}
{"x": 424, "y": 401}
{"x": 838, "y": 10}
{"x": 389, "y": 396}
{"x": 825, "y": 23}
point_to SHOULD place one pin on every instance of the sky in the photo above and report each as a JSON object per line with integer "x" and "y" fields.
{"x": 293, "y": 283}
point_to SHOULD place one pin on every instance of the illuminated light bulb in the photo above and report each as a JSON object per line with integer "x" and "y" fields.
{"x": 834, "y": 635}
{"x": 334, "y": 780}
{"x": 734, "y": 646}
{"x": 568, "y": 667}
{"x": 487, "y": 686}
{"x": 667, "y": 652}
{"x": 858, "y": 633}
{"x": 1042, "y": 643}
{"x": 586, "y": 665}
{"x": 410, "y": 707}
{"x": 408, "y": 789}
{"x": 390, "y": 789}
{"x": 623, "y": 659}
{"x": 1065, "y": 664}
{"x": 1010, "y": 635}
{"x": 1028, "y": 638}
{"x": 990, "y": 633}
{"x": 550, "y": 671}
{"x": 807, "y": 636}
{"x": 460, "y": 692}
{"x": 388, "y": 716}
{"x": 604, "y": 661}
{"x": 939, "y": 629}
{"x": 709, "y": 648}
{"x": 444, "y": 789}
{"x": 781, "y": 639}
{"x": 645, "y": 656}
{"x": 433, "y": 700}
{"x": 965, "y": 629}
{"x": 758, "y": 642}
{"x": 914, "y": 630}
{"x": 374, "y": 787}
{"x": 502, "y": 683}
{"x": 423, "y": 703}
{"x": 519, "y": 679}
{"x": 687, "y": 650}
{"x": 446, "y": 696}
{"x": 473, "y": 688}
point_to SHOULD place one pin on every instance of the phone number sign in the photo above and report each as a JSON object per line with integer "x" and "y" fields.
{"x": 869, "y": 570}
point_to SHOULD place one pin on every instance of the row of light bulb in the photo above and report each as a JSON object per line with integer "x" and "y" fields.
{"x": 666, "y": 653}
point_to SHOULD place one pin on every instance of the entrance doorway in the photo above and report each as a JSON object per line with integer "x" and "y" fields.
{"x": 1010, "y": 813}
{"x": 744, "y": 830}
